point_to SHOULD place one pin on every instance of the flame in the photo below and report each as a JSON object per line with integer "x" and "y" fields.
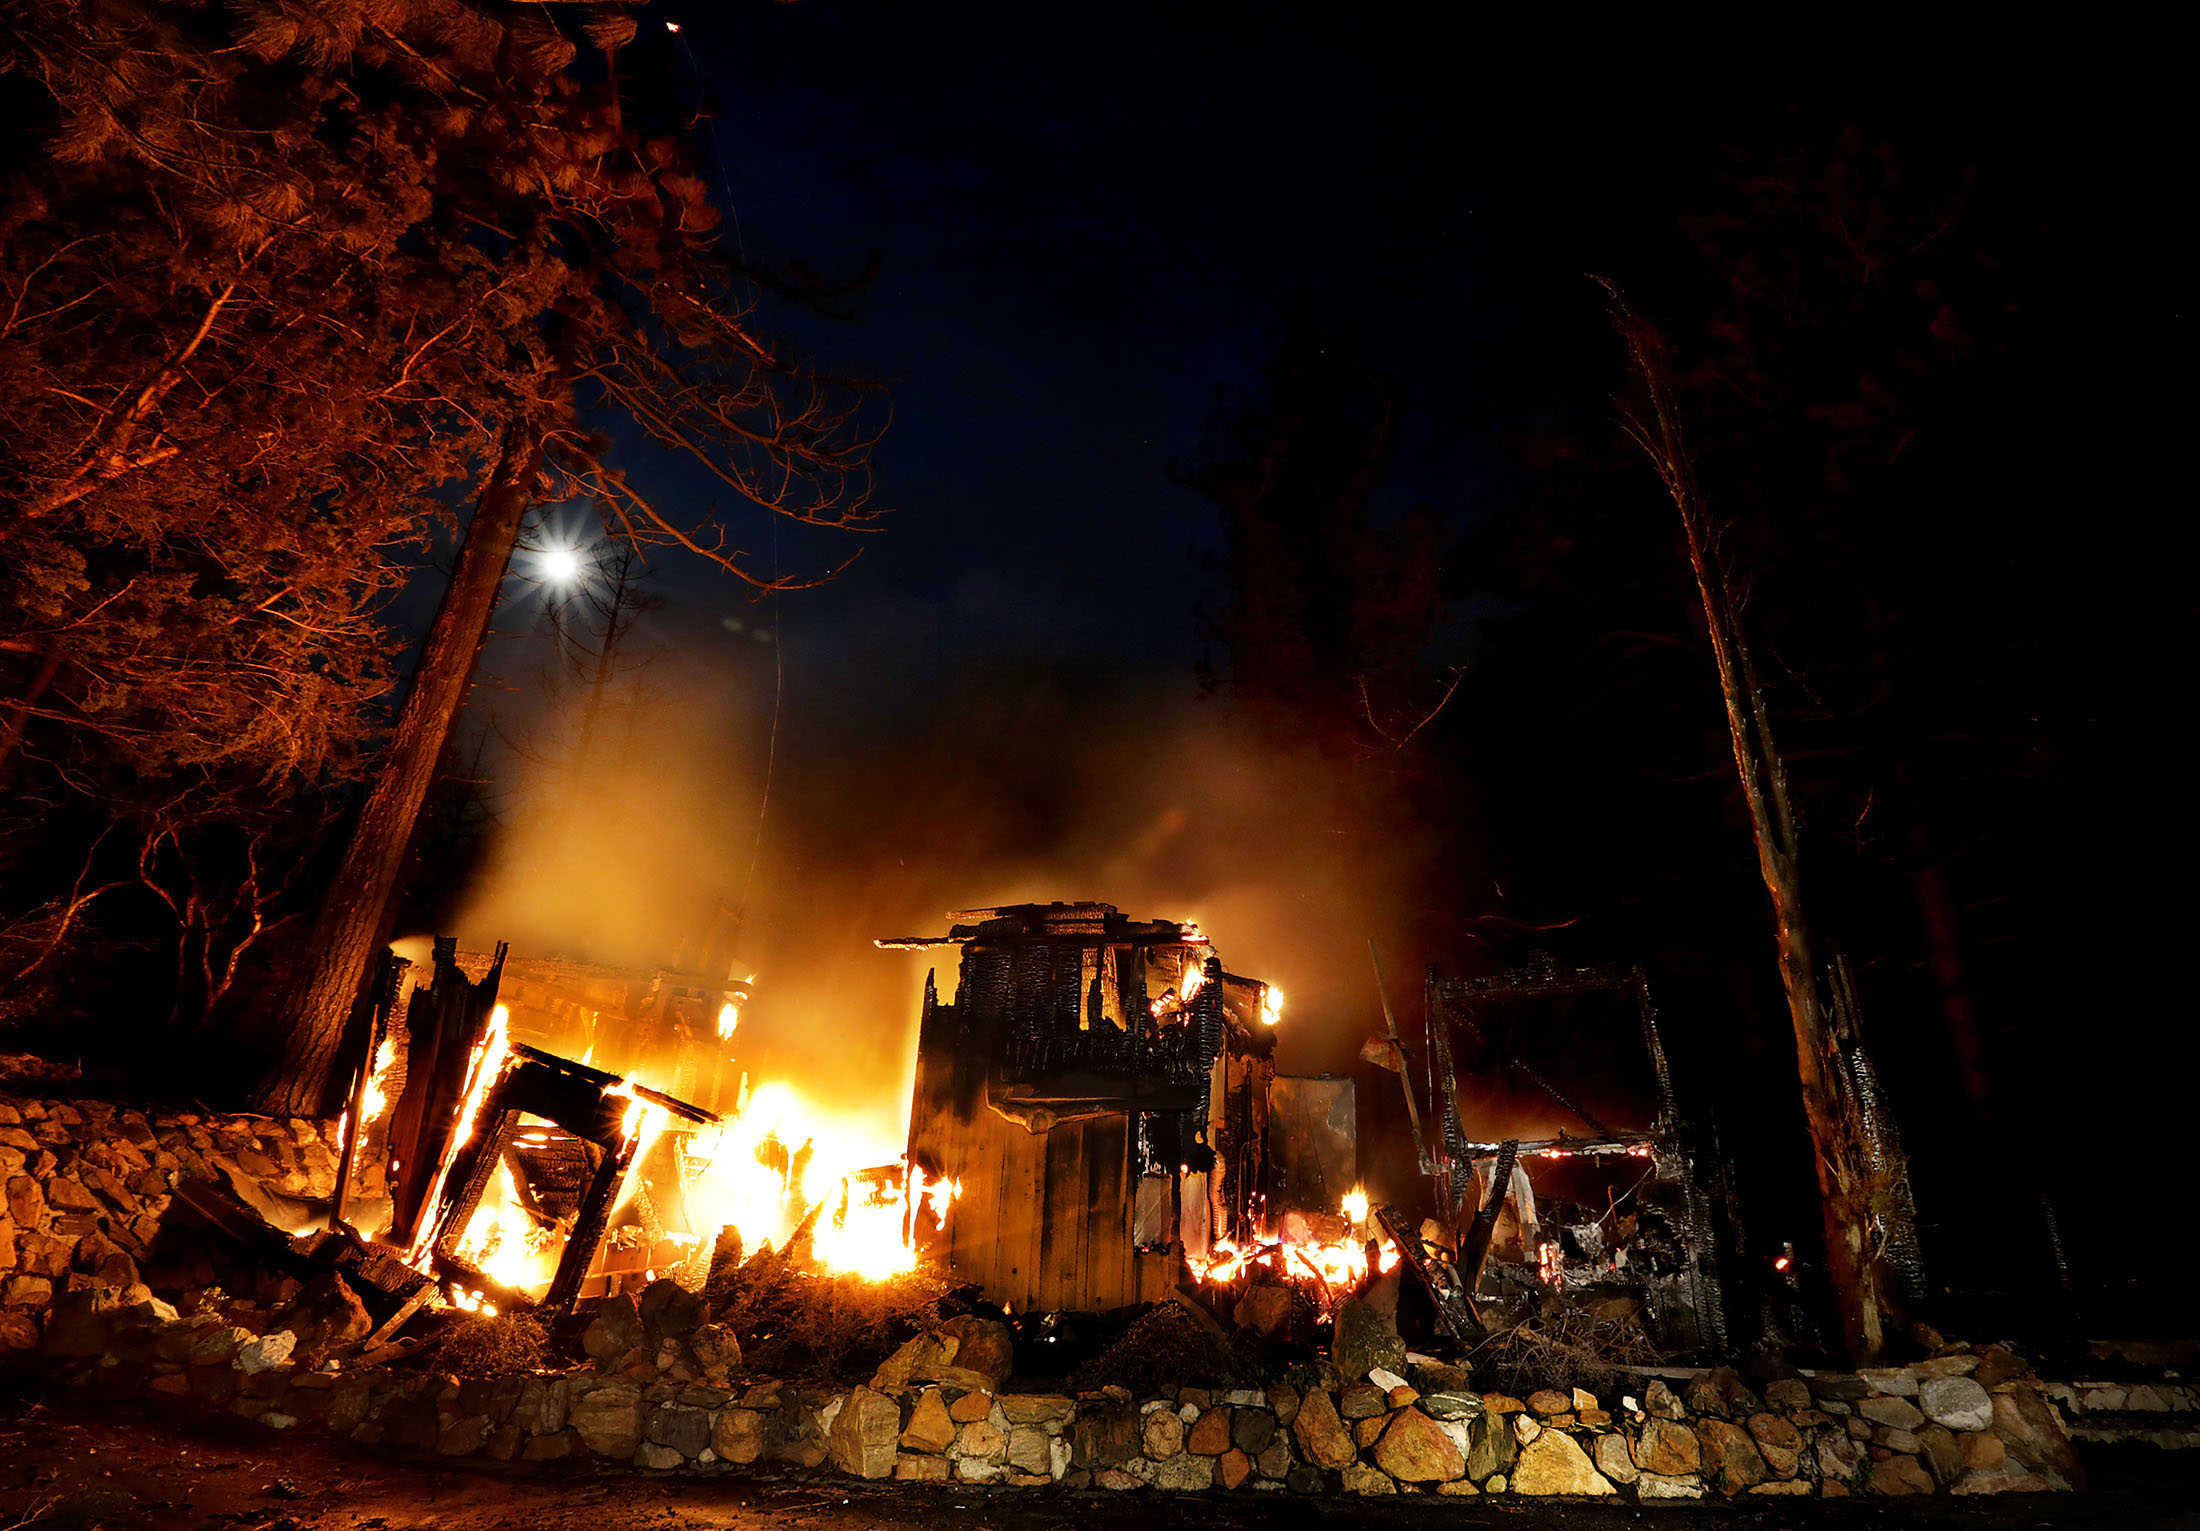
{"x": 1326, "y": 1270}
{"x": 506, "y": 1243}
{"x": 779, "y": 1155}
{"x": 377, "y": 1097}
{"x": 483, "y": 1070}
{"x": 1271, "y": 1006}
{"x": 1195, "y": 977}
{"x": 729, "y": 1016}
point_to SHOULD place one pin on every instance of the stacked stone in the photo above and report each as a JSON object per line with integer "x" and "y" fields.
{"x": 665, "y": 1389}
{"x": 2160, "y": 1412}
{"x": 87, "y": 1185}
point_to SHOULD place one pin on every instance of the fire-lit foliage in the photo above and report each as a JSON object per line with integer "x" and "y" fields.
{"x": 274, "y": 282}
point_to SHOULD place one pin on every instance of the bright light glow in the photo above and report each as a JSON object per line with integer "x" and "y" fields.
{"x": 729, "y": 1016}
{"x": 780, "y": 1153}
{"x": 1271, "y": 1007}
{"x": 560, "y": 566}
{"x": 1355, "y": 1206}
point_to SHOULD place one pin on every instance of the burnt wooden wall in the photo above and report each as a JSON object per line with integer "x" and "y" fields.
{"x": 1044, "y": 1219}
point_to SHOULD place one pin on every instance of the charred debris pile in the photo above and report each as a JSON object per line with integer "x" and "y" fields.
{"x": 1100, "y": 1153}
{"x": 1103, "y": 1092}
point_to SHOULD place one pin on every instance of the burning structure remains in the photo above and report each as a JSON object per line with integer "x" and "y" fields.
{"x": 1620, "y": 1217}
{"x": 1100, "y": 1091}
{"x": 1098, "y": 1102}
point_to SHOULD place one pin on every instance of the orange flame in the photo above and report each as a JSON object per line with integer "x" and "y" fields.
{"x": 1326, "y": 1270}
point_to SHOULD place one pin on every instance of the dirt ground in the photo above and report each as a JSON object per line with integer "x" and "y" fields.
{"x": 79, "y": 1461}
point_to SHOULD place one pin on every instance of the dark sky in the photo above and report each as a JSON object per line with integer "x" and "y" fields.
{"x": 1085, "y": 226}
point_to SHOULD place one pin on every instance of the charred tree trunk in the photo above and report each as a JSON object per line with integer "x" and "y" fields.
{"x": 1858, "y": 1180}
{"x": 311, "y": 1015}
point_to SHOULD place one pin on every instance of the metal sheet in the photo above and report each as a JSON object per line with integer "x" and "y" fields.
{"x": 1313, "y": 1143}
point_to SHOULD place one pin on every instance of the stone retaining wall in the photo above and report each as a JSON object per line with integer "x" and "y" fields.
{"x": 666, "y": 1390}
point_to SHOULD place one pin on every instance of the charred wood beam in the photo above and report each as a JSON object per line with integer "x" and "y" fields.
{"x": 1474, "y": 1247}
{"x": 1454, "y": 1307}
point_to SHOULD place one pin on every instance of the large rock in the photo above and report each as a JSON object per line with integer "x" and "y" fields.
{"x": 669, "y": 1311}
{"x": 1896, "y": 1412}
{"x": 1162, "y": 1435}
{"x": 738, "y": 1436}
{"x": 1365, "y": 1339}
{"x": 1613, "y": 1460}
{"x": 1790, "y": 1395}
{"x": 865, "y": 1433}
{"x": 82, "y": 1324}
{"x": 1780, "y": 1443}
{"x": 1415, "y": 1449}
{"x": 929, "y": 1427}
{"x": 919, "y": 1357}
{"x": 615, "y": 1330}
{"x": 1652, "y": 1486}
{"x": 266, "y": 1353}
{"x": 1490, "y": 1449}
{"x": 1251, "y": 1430}
{"x": 1051, "y": 1409}
{"x": 1659, "y": 1402}
{"x": 1941, "y": 1453}
{"x": 982, "y": 1346}
{"x": 609, "y": 1418}
{"x": 716, "y": 1351}
{"x": 1956, "y": 1402}
{"x": 1452, "y": 1404}
{"x": 1553, "y": 1464}
{"x": 1027, "y": 1449}
{"x": 1667, "y": 1449}
{"x": 326, "y": 1316}
{"x": 1269, "y": 1310}
{"x": 541, "y": 1406}
{"x": 1899, "y": 1475}
{"x": 1361, "y": 1479}
{"x": 1106, "y": 1435}
{"x": 1185, "y": 1473}
{"x": 1731, "y": 1463}
{"x": 1322, "y": 1436}
{"x": 680, "y": 1428}
{"x": 1210, "y": 1434}
{"x": 2033, "y": 1433}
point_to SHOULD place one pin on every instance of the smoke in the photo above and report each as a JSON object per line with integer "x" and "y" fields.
{"x": 1019, "y": 785}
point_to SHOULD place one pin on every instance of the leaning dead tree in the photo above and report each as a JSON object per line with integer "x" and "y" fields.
{"x": 1863, "y": 1181}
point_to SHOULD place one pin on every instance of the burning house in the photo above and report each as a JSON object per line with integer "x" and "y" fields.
{"x": 1097, "y": 1103}
{"x": 1099, "y": 1091}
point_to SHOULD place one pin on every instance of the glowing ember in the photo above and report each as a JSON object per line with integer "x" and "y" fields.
{"x": 1327, "y": 1270}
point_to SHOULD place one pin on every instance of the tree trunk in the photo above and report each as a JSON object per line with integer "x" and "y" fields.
{"x": 1854, "y": 1170}
{"x": 311, "y": 1015}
